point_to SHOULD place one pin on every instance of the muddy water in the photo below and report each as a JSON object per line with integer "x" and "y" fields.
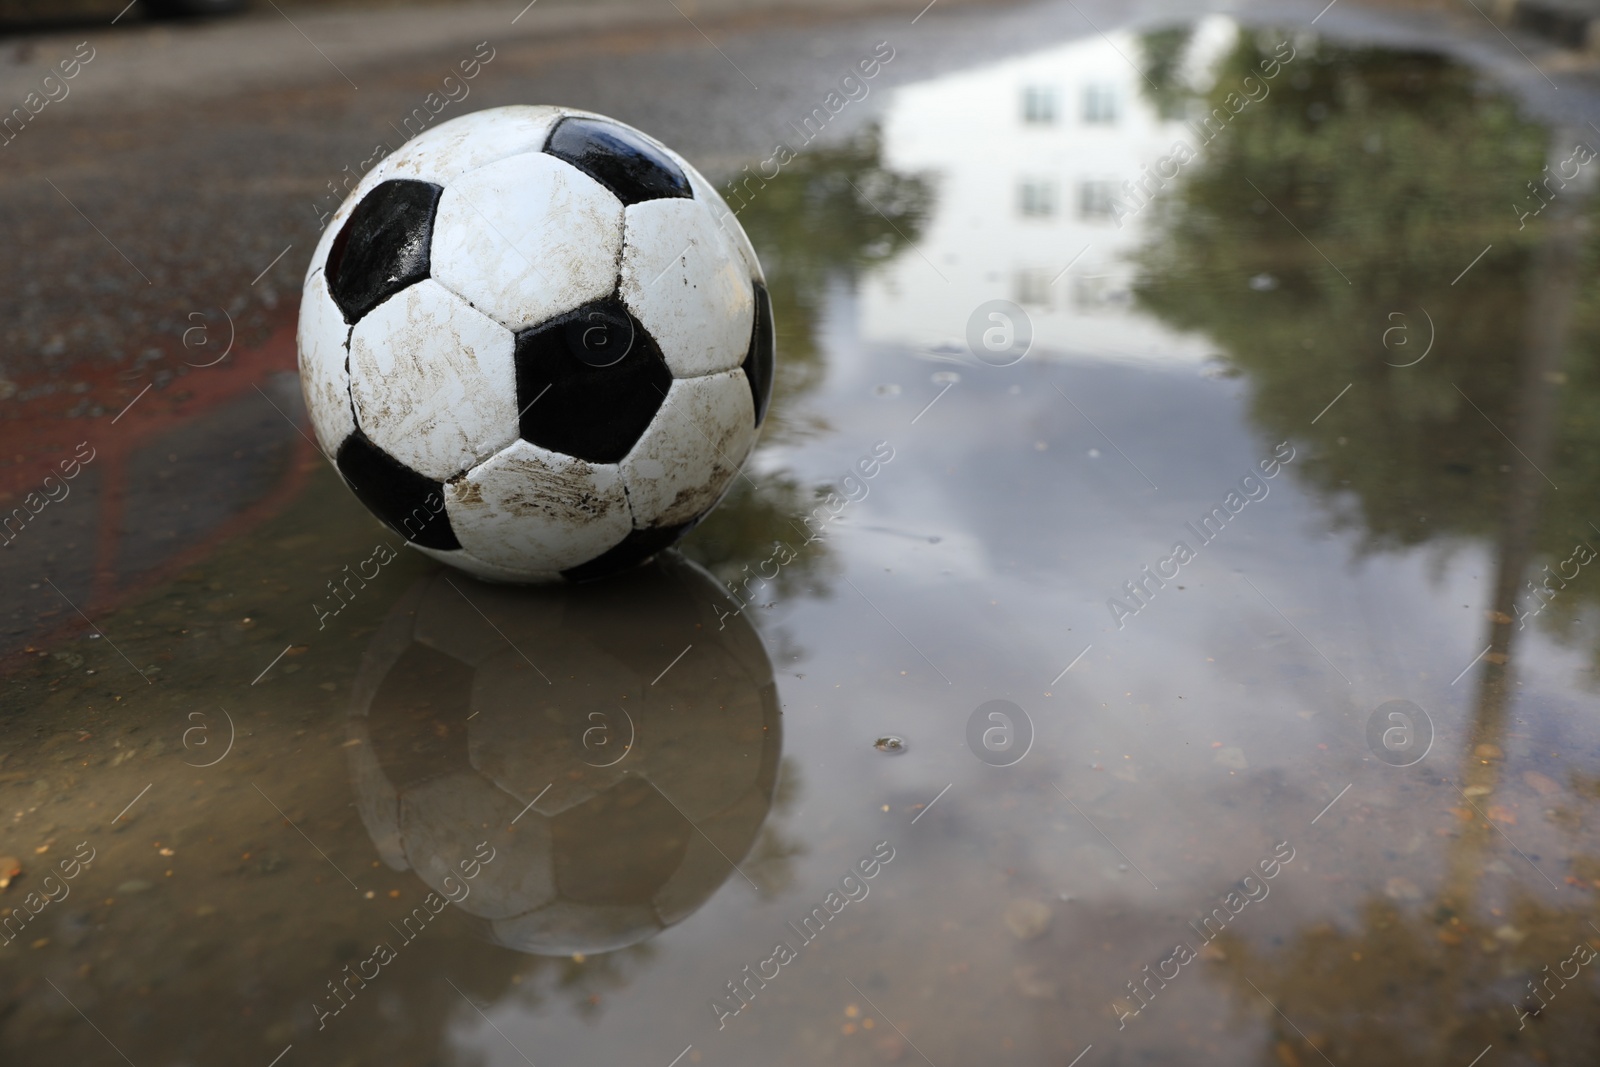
{"x": 1218, "y": 550}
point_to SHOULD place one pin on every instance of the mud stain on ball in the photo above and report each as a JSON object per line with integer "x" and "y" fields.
{"x": 529, "y": 499}
{"x": 433, "y": 381}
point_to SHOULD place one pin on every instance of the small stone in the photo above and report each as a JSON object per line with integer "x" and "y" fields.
{"x": 10, "y": 867}
{"x": 889, "y": 1048}
{"x": 1398, "y": 888}
{"x": 1542, "y": 784}
{"x": 1027, "y": 919}
{"x": 1488, "y": 751}
{"x": 1031, "y": 985}
{"x": 1233, "y": 757}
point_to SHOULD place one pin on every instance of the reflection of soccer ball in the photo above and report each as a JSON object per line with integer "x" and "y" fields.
{"x": 642, "y": 793}
{"x": 536, "y": 343}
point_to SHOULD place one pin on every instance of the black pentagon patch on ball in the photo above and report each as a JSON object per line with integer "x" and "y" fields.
{"x": 589, "y": 382}
{"x": 383, "y": 246}
{"x": 760, "y": 361}
{"x": 637, "y": 547}
{"x": 396, "y": 494}
{"x": 619, "y": 159}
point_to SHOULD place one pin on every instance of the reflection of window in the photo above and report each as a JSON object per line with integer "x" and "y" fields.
{"x": 1097, "y": 200}
{"x": 1036, "y": 198}
{"x": 1039, "y": 105}
{"x": 1097, "y": 293}
{"x": 1099, "y": 104}
{"x": 1032, "y": 287}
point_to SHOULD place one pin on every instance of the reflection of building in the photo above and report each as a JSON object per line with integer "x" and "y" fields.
{"x": 1030, "y": 156}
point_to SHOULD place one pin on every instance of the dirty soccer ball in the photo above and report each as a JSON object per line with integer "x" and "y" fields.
{"x": 614, "y": 806}
{"x": 536, "y": 344}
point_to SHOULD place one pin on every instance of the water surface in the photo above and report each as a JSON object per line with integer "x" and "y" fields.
{"x": 1304, "y": 429}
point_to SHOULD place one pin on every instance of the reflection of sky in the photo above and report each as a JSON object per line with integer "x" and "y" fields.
{"x": 1029, "y": 156}
{"x": 1221, "y": 720}
{"x": 1031, "y": 544}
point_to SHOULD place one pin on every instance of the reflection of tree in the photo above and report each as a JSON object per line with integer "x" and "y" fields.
{"x": 771, "y": 859}
{"x": 1400, "y": 168}
{"x": 813, "y": 227}
{"x": 1163, "y": 61}
{"x": 1422, "y": 985}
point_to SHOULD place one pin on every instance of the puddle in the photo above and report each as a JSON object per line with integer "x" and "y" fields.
{"x": 1235, "y": 640}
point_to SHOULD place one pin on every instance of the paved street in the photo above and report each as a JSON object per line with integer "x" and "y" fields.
{"x": 158, "y": 212}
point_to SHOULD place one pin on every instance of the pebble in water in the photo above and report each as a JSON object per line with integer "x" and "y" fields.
{"x": 1027, "y": 919}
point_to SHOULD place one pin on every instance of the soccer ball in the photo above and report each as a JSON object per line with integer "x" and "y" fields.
{"x": 616, "y": 775}
{"x": 536, "y": 343}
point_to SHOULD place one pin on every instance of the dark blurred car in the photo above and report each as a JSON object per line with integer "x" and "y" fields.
{"x": 54, "y": 14}
{"x": 179, "y": 8}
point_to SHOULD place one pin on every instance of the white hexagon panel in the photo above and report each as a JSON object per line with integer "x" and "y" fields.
{"x": 692, "y": 449}
{"x": 440, "y": 823}
{"x": 708, "y": 195}
{"x": 531, "y": 503}
{"x": 433, "y": 381}
{"x": 564, "y": 927}
{"x": 443, "y": 153}
{"x": 324, "y": 379}
{"x": 527, "y": 238}
{"x": 685, "y": 283}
